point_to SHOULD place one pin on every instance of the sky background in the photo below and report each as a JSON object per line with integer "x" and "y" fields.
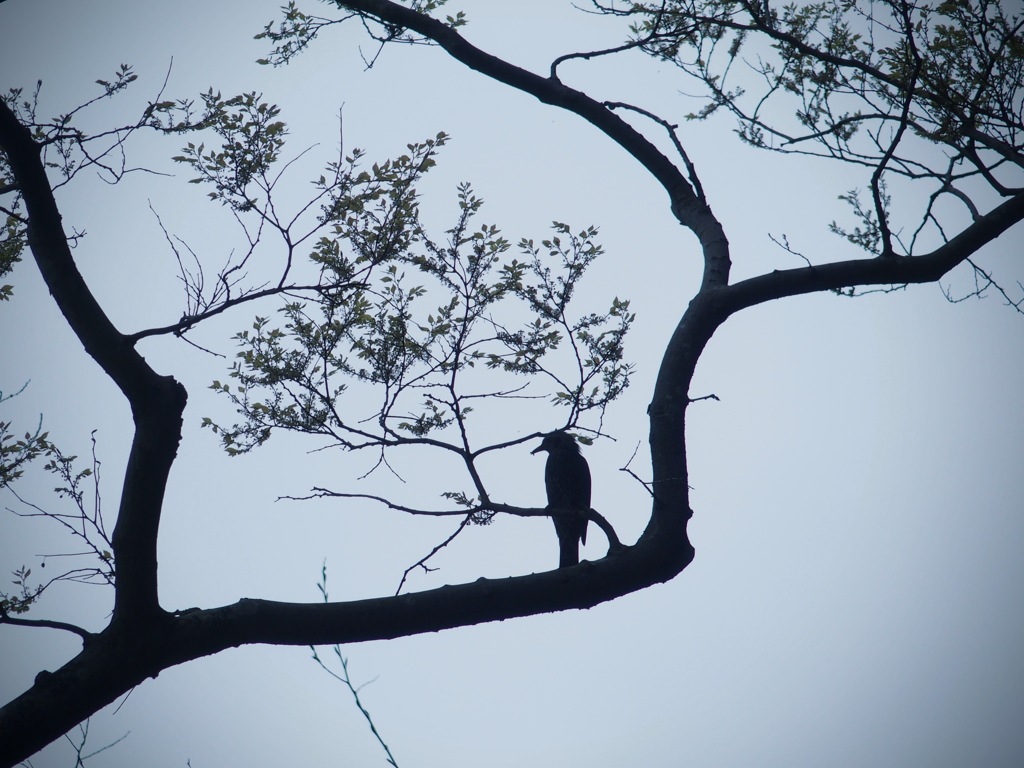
{"x": 856, "y": 595}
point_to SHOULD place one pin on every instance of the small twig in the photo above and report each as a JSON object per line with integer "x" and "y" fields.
{"x": 83, "y": 732}
{"x": 982, "y": 282}
{"x": 422, "y": 562}
{"x": 634, "y": 475}
{"x": 638, "y": 43}
{"x": 124, "y": 700}
{"x": 691, "y": 170}
{"x": 784, "y": 245}
{"x": 712, "y": 396}
{"x": 346, "y": 679}
{"x": 587, "y": 55}
{"x": 877, "y": 192}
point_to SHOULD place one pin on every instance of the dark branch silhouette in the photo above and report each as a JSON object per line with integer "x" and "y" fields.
{"x": 361, "y": 325}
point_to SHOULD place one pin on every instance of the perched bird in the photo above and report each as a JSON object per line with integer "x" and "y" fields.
{"x": 567, "y": 480}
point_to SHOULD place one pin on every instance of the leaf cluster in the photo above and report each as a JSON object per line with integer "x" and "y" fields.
{"x": 16, "y": 453}
{"x": 25, "y": 593}
{"x": 84, "y": 522}
{"x": 69, "y": 148}
{"x": 296, "y": 30}
{"x": 403, "y": 336}
{"x": 251, "y": 138}
{"x": 12, "y": 244}
{"x": 880, "y": 84}
{"x": 423, "y": 327}
{"x": 596, "y": 339}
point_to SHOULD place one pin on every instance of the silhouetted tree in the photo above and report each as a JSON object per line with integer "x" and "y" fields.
{"x": 927, "y": 96}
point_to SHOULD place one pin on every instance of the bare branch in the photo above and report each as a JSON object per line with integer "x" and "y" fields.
{"x": 422, "y": 562}
{"x": 6, "y": 618}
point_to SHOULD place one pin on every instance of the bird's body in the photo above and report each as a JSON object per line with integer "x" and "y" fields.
{"x": 567, "y": 480}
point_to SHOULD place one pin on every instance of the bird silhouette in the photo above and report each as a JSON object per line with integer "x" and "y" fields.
{"x": 567, "y": 480}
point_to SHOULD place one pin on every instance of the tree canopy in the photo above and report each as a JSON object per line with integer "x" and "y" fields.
{"x": 363, "y": 320}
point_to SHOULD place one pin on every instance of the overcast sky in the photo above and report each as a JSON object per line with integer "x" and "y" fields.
{"x": 855, "y": 599}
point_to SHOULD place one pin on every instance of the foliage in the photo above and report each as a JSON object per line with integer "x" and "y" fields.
{"x": 431, "y": 328}
{"x": 24, "y": 595}
{"x": 297, "y": 30}
{"x": 442, "y": 330}
{"x": 17, "y": 453}
{"x": 423, "y": 327}
{"x": 13, "y": 234}
{"x": 83, "y": 521}
{"x": 68, "y": 149}
{"x": 868, "y": 82}
{"x": 251, "y": 140}
{"x": 12, "y": 243}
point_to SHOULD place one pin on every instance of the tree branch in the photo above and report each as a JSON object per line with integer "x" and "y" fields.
{"x": 104, "y": 670}
{"x": 686, "y": 206}
{"x": 876, "y": 271}
{"x": 157, "y": 402}
{"x": 86, "y": 636}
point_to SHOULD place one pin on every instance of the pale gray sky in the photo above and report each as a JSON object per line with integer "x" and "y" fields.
{"x": 855, "y": 599}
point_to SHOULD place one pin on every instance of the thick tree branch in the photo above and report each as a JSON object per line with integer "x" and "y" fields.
{"x": 157, "y": 402}
{"x": 582, "y": 586}
{"x": 123, "y": 657}
{"x": 142, "y": 640}
{"x": 926, "y": 268}
{"x": 686, "y": 206}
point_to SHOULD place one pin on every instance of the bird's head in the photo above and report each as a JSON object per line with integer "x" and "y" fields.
{"x": 557, "y": 442}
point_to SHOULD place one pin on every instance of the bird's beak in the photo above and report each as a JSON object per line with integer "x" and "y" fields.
{"x": 538, "y": 449}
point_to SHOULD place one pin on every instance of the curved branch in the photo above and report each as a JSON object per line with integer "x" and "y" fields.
{"x": 157, "y": 402}
{"x": 583, "y": 586}
{"x": 614, "y": 545}
{"x": 926, "y": 268}
{"x": 587, "y": 55}
{"x": 686, "y": 206}
{"x": 49, "y": 245}
{"x": 638, "y": 43}
{"x": 48, "y": 624}
{"x": 103, "y": 670}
